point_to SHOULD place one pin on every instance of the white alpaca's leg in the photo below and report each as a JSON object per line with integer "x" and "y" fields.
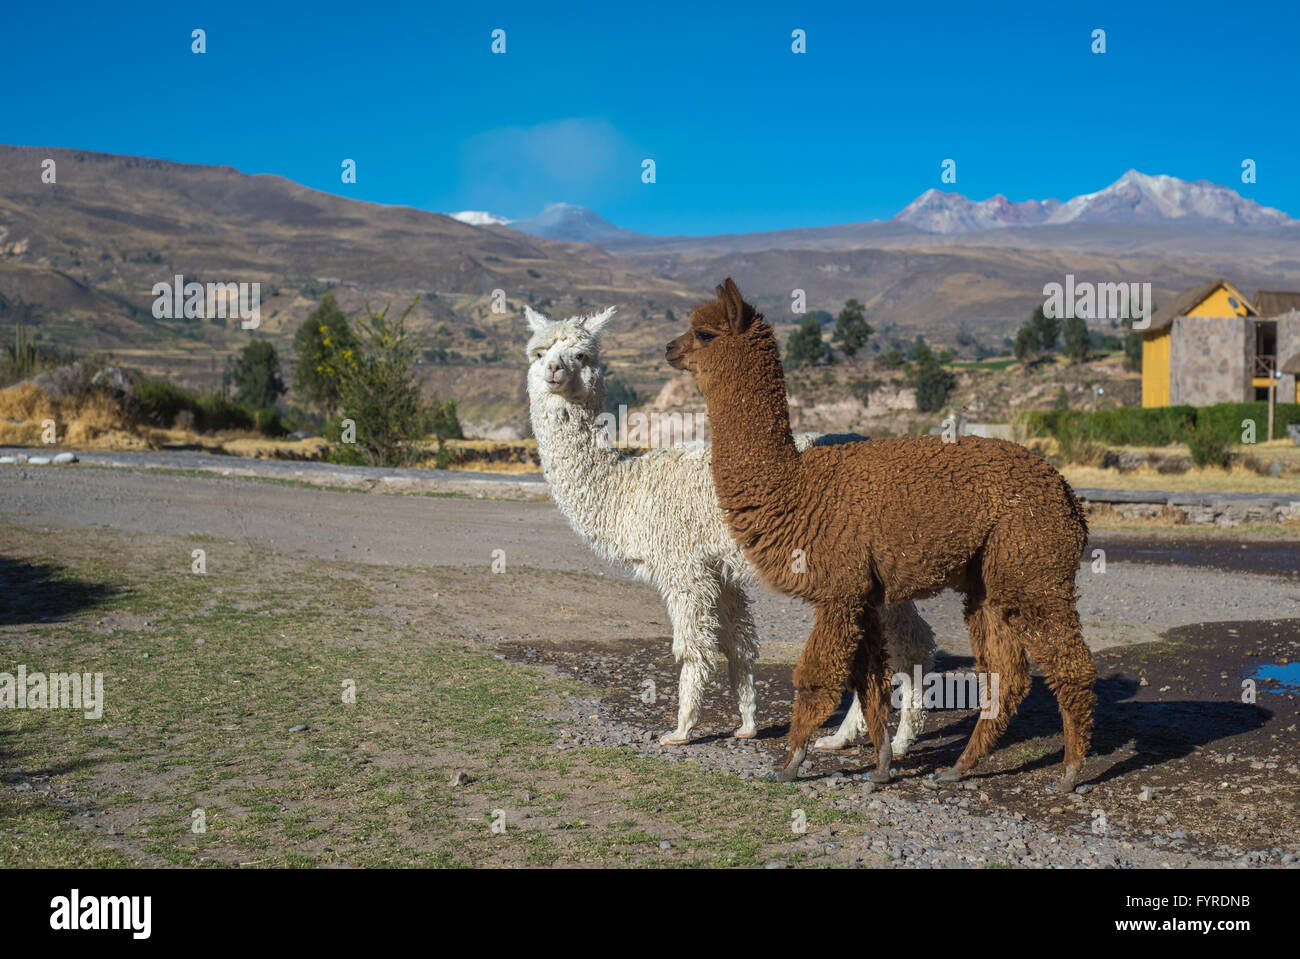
{"x": 909, "y": 643}
{"x": 739, "y": 639}
{"x": 850, "y": 731}
{"x": 695, "y": 627}
{"x": 911, "y": 717}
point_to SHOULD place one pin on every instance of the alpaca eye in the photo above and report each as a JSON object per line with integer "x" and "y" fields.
{"x": 704, "y": 336}
{"x": 582, "y": 358}
{"x": 539, "y": 354}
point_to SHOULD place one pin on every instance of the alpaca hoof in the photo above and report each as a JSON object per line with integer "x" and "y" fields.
{"x": 900, "y": 748}
{"x": 674, "y": 739}
{"x": 745, "y": 732}
{"x": 1068, "y": 781}
{"x": 832, "y": 743}
{"x": 950, "y": 775}
{"x": 879, "y": 776}
{"x": 790, "y": 771}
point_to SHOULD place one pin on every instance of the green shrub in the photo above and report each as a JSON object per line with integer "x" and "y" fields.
{"x": 1162, "y": 426}
{"x": 1230, "y": 416}
{"x": 1209, "y": 442}
{"x": 217, "y": 412}
{"x": 268, "y": 422}
{"x": 1077, "y": 443}
{"x": 161, "y": 402}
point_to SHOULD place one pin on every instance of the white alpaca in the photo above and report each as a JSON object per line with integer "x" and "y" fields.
{"x": 655, "y": 512}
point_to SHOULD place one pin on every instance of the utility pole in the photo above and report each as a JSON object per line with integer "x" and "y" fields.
{"x": 1272, "y": 400}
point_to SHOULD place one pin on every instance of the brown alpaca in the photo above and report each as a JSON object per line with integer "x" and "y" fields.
{"x": 850, "y": 528}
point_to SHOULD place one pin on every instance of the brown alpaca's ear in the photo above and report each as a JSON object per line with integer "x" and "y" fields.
{"x": 740, "y": 315}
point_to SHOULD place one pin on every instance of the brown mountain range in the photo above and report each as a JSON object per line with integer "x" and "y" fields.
{"x": 79, "y": 257}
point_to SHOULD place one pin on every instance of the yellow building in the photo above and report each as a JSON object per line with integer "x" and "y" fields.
{"x": 1165, "y": 347}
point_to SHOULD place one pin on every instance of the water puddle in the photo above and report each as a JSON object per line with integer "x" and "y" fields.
{"x": 1287, "y": 676}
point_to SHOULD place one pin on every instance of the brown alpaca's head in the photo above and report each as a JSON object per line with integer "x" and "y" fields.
{"x": 712, "y": 324}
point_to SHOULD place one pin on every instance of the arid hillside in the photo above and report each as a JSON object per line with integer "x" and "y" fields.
{"x": 79, "y": 258}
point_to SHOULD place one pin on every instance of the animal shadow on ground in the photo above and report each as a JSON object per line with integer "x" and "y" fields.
{"x": 41, "y": 592}
{"x": 12, "y": 768}
{"x": 1155, "y": 731}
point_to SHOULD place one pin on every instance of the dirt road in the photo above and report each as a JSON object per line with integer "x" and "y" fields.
{"x": 1121, "y": 602}
{"x": 1170, "y": 717}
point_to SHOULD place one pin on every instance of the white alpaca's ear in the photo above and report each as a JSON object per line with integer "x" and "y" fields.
{"x": 594, "y": 324}
{"x": 536, "y": 322}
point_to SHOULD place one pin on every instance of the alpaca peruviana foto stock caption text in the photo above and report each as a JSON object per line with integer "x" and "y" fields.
{"x": 655, "y": 513}
{"x": 884, "y": 521}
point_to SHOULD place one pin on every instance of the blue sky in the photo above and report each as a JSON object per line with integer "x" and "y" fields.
{"x": 745, "y": 134}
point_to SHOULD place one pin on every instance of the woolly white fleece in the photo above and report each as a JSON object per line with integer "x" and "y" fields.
{"x": 656, "y": 514}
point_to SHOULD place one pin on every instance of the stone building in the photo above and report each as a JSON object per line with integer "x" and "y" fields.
{"x": 1213, "y": 345}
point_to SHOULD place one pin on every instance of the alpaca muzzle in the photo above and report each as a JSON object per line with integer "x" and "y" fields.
{"x": 556, "y": 376}
{"x": 675, "y": 353}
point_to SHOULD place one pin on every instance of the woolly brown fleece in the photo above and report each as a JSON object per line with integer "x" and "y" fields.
{"x": 855, "y": 526}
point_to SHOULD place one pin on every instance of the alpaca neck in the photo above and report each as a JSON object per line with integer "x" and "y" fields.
{"x": 755, "y": 461}
{"x": 577, "y": 458}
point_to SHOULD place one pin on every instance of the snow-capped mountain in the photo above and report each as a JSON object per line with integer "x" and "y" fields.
{"x": 938, "y": 212}
{"x": 479, "y": 218}
{"x": 1136, "y": 197}
{"x": 1133, "y": 198}
{"x": 575, "y": 224}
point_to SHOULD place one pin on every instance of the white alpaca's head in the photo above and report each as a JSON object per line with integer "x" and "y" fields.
{"x": 564, "y": 355}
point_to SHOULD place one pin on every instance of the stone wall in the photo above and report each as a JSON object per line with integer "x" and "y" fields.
{"x": 1288, "y": 345}
{"x": 1210, "y": 360}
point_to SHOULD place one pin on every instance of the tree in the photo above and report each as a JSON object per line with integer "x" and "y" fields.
{"x": 851, "y": 329}
{"x": 1132, "y": 349}
{"x": 256, "y": 375}
{"x": 379, "y": 392}
{"x": 618, "y": 393}
{"x": 805, "y": 344}
{"x": 324, "y": 337}
{"x": 1047, "y": 328}
{"x": 932, "y": 382}
{"x": 1075, "y": 342}
{"x": 443, "y": 421}
{"x": 894, "y": 358}
{"x": 1026, "y": 343}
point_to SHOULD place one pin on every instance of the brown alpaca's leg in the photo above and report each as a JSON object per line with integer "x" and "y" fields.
{"x": 819, "y": 679}
{"x": 1004, "y": 663}
{"x": 1071, "y": 674}
{"x": 979, "y": 632}
{"x": 871, "y": 681}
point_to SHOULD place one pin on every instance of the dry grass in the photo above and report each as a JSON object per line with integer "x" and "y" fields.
{"x": 493, "y": 456}
{"x": 1239, "y": 479}
{"x": 92, "y": 421}
{"x": 95, "y": 421}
